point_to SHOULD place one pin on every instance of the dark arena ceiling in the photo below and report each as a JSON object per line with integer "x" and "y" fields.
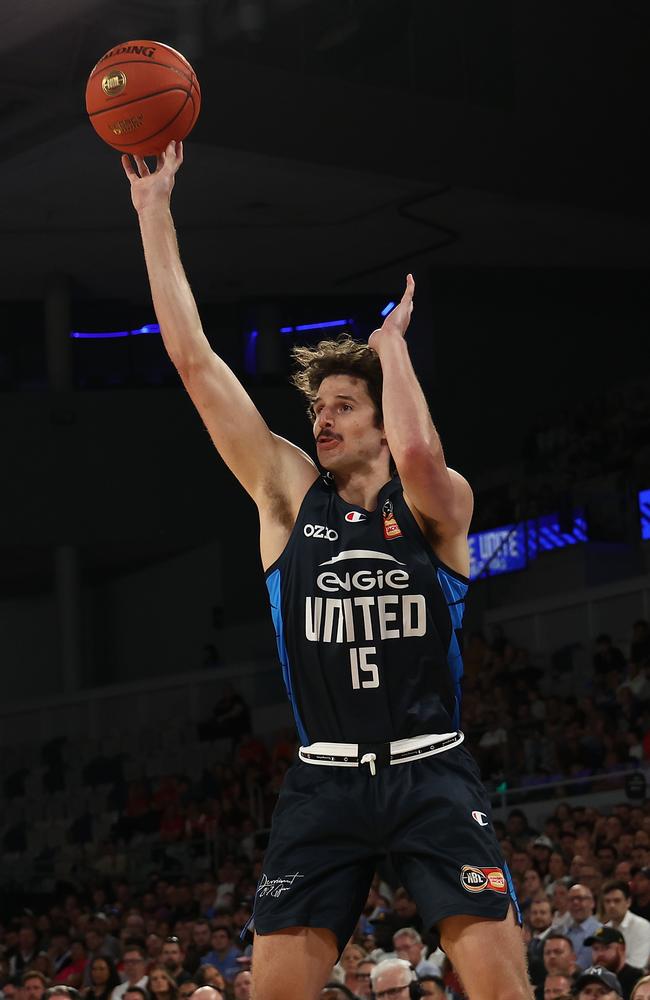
{"x": 340, "y": 142}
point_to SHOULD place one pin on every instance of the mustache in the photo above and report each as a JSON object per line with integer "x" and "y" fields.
{"x": 329, "y": 436}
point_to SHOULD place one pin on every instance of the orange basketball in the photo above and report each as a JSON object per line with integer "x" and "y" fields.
{"x": 141, "y": 95}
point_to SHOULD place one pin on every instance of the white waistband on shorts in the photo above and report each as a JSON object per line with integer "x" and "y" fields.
{"x": 399, "y": 751}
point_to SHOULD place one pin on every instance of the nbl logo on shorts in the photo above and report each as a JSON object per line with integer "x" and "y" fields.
{"x": 481, "y": 879}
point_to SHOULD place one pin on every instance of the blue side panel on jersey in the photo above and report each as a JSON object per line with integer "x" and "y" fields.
{"x": 513, "y": 894}
{"x": 274, "y": 585}
{"x": 454, "y": 592}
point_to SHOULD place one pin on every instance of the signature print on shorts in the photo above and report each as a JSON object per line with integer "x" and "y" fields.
{"x": 276, "y": 886}
{"x": 479, "y": 879}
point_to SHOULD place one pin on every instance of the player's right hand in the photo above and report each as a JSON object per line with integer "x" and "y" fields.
{"x": 150, "y": 189}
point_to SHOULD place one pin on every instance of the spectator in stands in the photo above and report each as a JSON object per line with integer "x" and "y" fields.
{"x": 617, "y": 899}
{"x": 541, "y": 850}
{"x": 642, "y": 989}
{"x": 59, "y": 953}
{"x": 135, "y": 972}
{"x": 389, "y": 975}
{"x": 608, "y": 950}
{"x": 136, "y": 993}
{"x": 173, "y": 957}
{"x": 224, "y": 953}
{"x": 209, "y": 975}
{"x": 607, "y": 857}
{"x": 540, "y": 920}
{"x": 200, "y": 944}
{"x": 492, "y": 745}
{"x": 336, "y": 991}
{"x": 25, "y": 951}
{"x": 433, "y": 987}
{"x": 560, "y": 906}
{"x": 11, "y": 989}
{"x": 358, "y": 980}
{"x": 407, "y": 944}
{"x": 99, "y": 944}
{"x": 104, "y": 978}
{"x": 531, "y": 887}
{"x": 241, "y": 985}
{"x": 34, "y": 985}
{"x": 607, "y": 657}
{"x": 556, "y": 986}
{"x": 640, "y": 885}
{"x": 153, "y": 946}
{"x": 597, "y": 983}
{"x": 405, "y": 910}
{"x": 209, "y": 993}
{"x": 351, "y": 955}
{"x": 187, "y": 989}
{"x": 230, "y": 718}
{"x": 559, "y": 955}
{"x": 583, "y": 923}
{"x": 161, "y": 985}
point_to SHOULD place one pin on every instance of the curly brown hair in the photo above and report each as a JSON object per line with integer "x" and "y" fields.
{"x": 343, "y": 356}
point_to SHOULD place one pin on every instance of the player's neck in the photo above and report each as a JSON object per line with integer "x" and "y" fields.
{"x": 361, "y": 486}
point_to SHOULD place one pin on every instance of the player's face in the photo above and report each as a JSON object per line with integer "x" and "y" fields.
{"x": 345, "y": 424}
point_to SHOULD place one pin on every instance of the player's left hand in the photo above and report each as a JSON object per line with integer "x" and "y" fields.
{"x": 397, "y": 321}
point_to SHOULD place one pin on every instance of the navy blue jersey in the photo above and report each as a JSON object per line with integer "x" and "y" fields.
{"x": 367, "y": 622}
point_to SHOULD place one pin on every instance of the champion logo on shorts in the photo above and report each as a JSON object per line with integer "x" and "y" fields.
{"x": 276, "y": 886}
{"x": 480, "y": 817}
{"x": 479, "y": 879}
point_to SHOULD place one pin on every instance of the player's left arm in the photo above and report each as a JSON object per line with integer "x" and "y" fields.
{"x": 441, "y": 495}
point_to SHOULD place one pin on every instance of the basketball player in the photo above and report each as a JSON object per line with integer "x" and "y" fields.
{"x": 367, "y": 573}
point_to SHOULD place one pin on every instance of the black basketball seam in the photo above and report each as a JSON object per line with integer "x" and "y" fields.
{"x": 166, "y": 125}
{"x": 134, "y": 100}
{"x": 144, "y": 62}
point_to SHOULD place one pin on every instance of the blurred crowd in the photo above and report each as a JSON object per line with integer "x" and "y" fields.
{"x": 584, "y": 717}
{"x": 582, "y": 879}
{"x": 182, "y": 921}
{"x": 566, "y": 454}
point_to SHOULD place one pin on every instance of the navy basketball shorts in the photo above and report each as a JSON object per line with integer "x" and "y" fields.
{"x": 332, "y": 826}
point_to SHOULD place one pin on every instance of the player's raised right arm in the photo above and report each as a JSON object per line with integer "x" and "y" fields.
{"x": 241, "y": 436}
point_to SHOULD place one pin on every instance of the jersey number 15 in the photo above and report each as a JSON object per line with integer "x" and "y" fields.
{"x": 359, "y": 665}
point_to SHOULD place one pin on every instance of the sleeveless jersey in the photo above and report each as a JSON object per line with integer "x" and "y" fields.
{"x": 368, "y": 622}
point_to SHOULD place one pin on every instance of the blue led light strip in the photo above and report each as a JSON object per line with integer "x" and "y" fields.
{"x": 388, "y": 308}
{"x": 315, "y": 326}
{"x": 115, "y": 334}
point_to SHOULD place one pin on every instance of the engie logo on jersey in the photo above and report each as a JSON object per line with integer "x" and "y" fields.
{"x": 320, "y": 531}
{"x": 479, "y": 879}
{"x": 354, "y": 516}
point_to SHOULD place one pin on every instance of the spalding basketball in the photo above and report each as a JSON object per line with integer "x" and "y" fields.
{"x": 141, "y": 95}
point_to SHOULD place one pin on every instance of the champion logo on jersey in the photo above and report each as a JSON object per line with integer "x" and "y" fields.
{"x": 354, "y": 516}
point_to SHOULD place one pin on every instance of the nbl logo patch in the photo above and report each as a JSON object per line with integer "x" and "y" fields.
{"x": 481, "y": 879}
{"x": 391, "y": 527}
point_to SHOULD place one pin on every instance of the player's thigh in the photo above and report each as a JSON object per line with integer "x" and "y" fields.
{"x": 293, "y": 963}
{"x": 488, "y": 955}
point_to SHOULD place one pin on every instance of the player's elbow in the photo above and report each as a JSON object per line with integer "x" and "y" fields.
{"x": 418, "y": 457}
